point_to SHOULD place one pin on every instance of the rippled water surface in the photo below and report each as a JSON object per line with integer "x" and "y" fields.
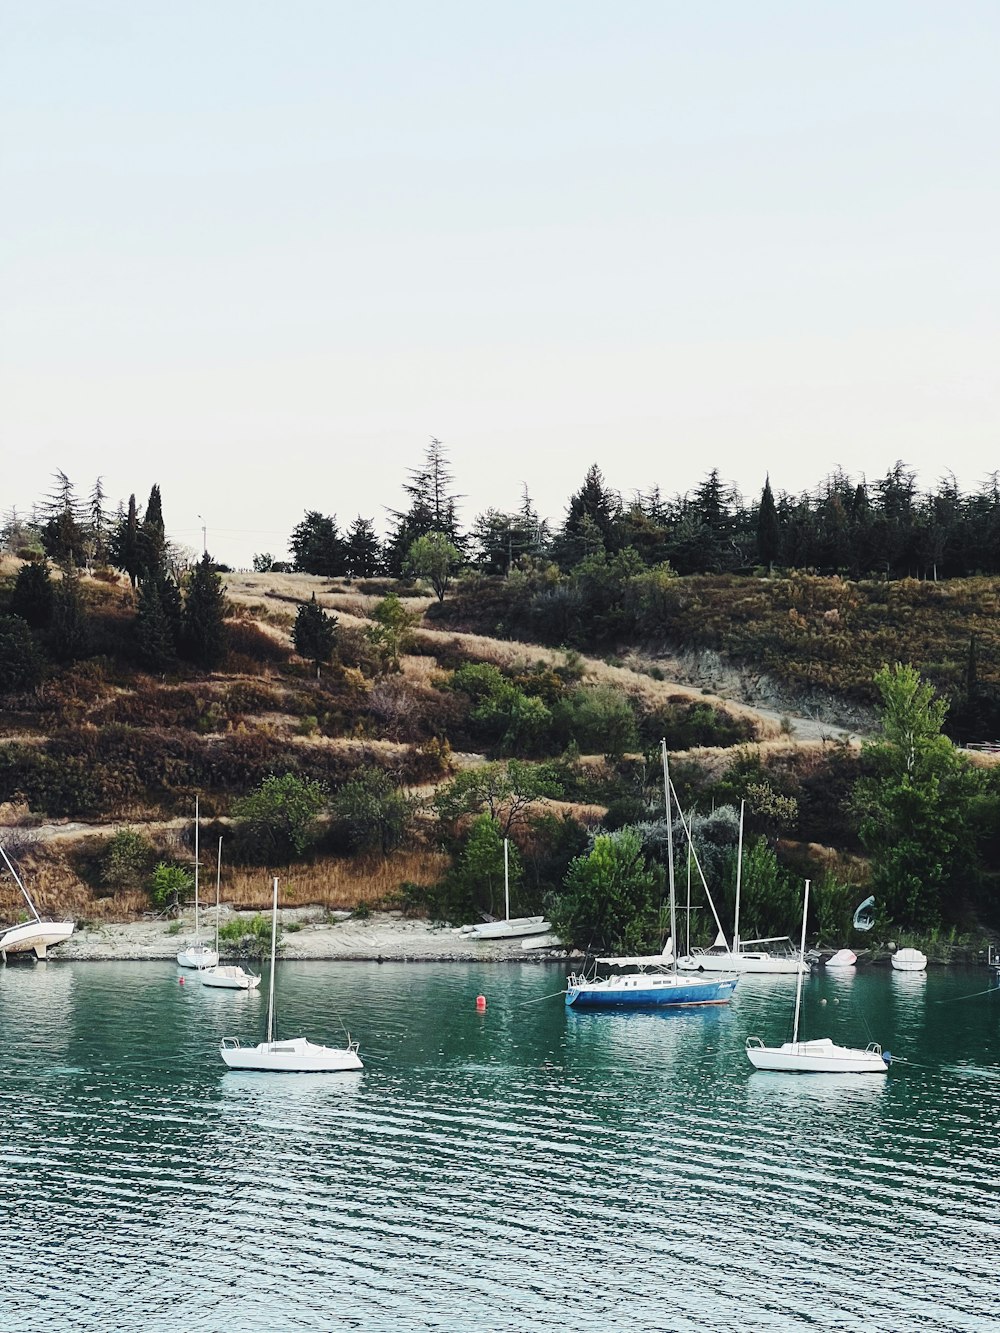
{"x": 526, "y": 1168}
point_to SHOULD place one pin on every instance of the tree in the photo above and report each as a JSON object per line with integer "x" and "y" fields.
{"x": 263, "y": 562}
{"x": 277, "y": 821}
{"x": 125, "y": 860}
{"x": 167, "y": 883}
{"x": 152, "y": 538}
{"x": 436, "y": 558}
{"x": 768, "y": 528}
{"x": 98, "y": 536}
{"x": 315, "y": 633}
{"x": 478, "y": 875}
{"x": 363, "y": 553}
{"x": 69, "y": 632}
{"x": 20, "y": 660}
{"x": 369, "y": 813}
{"x": 915, "y": 809}
{"x": 609, "y": 902}
{"x": 316, "y": 546}
{"x": 433, "y": 508}
{"x": 203, "y": 627}
{"x": 156, "y": 625}
{"x": 124, "y": 549}
{"x": 391, "y": 631}
{"x": 591, "y": 522}
{"x": 506, "y": 791}
{"x": 33, "y": 594}
{"x": 63, "y": 535}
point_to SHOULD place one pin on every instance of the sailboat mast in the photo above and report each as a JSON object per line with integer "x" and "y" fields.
{"x": 270, "y": 988}
{"x": 17, "y": 881}
{"x": 687, "y": 946}
{"x": 802, "y": 963}
{"x": 739, "y": 880}
{"x": 670, "y": 856}
{"x": 218, "y": 888}
{"x": 197, "y": 935}
{"x": 506, "y": 883}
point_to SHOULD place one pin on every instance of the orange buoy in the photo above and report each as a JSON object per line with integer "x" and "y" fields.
{"x": 480, "y": 1003}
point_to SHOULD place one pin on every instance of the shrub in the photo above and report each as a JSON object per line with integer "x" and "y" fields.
{"x": 126, "y": 859}
{"x": 369, "y": 813}
{"x": 168, "y": 882}
{"x": 277, "y": 822}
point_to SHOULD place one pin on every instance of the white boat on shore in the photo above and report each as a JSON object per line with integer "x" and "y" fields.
{"x": 821, "y": 1055}
{"x": 909, "y": 960}
{"x": 35, "y": 936}
{"x": 511, "y": 927}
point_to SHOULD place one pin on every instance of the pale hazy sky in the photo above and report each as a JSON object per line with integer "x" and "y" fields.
{"x": 260, "y": 252}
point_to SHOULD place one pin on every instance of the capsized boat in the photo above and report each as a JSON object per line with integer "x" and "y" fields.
{"x": 821, "y": 1055}
{"x": 197, "y": 955}
{"x": 842, "y": 958}
{"x": 295, "y": 1055}
{"x": 231, "y": 976}
{"x": 35, "y": 936}
{"x": 650, "y": 981}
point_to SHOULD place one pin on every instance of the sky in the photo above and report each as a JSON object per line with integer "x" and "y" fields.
{"x": 261, "y": 253}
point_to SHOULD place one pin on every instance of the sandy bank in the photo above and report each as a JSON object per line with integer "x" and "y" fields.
{"x": 305, "y": 934}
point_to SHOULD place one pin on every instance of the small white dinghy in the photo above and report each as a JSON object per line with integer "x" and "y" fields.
{"x": 297, "y": 1055}
{"x": 821, "y": 1055}
{"x": 230, "y": 976}
{"x": 909, "y": 960}
{"x": 197, "y": 955}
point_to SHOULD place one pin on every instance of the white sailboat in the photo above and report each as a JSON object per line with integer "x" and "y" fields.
{"x": 510, "y": 928}
{"x": 197, "y": 955}
{"x": 228, "y": 976}
{"x": 295, "y": 1055}
{"x": 821, "y": 1055}
{"x": 35, "y": 936}
{"x": 746, "y": 956}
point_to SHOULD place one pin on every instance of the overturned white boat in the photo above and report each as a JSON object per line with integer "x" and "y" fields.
{"x": 35, "y": 936}
{"x": 821, "y": 1055}
{"x": 842, "y": 958}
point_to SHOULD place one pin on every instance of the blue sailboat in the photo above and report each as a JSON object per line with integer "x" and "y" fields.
{"x": 651, "y": 981}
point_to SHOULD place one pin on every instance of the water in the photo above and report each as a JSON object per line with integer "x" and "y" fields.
{"x": 529, "y": 1168}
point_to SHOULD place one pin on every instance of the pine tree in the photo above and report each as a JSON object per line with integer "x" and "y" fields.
{"x": 315, "y": 633}
{"x": 69, "y": 633}
{"x": 62, "y": 530}
{"x": 768, "y": 528}
{"x": 316, "y": 546}
{"x": 203, "y": 637}
{"x": 433, "y": 508}
{"x": 363, "y": 553}
{"x": 32, "y": 597}
{"x": 98, "y": 537}
{"x": 155, "y": 634}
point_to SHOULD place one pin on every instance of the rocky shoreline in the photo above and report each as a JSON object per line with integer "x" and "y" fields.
{"x": 304, "y": 934}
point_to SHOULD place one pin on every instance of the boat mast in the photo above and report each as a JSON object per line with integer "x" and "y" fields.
{"x": 270, "y": 988}
{"x": 739, "y": 878}
{"x": 197, "y": 935}
{"x": 506, "y": 883}
{"x": 687, "y": 947}
{"x": 17, "y": 881}
{"x": 802, "y": 963}
{"x": 218, "y": 883}
{"x": 670, "y": 856}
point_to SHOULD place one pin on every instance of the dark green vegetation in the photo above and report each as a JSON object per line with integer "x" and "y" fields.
{"x": 384, "y": 734}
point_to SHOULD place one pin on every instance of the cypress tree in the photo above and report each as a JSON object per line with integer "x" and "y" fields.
{"x": 203, "y": 638}
{"x": 768, "y": 528}
{"x": 32, "y": 596}
{"x": 155, "y": 634}
{"x": 315, "y": 633}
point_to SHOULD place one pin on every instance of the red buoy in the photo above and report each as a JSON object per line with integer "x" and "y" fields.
{"x": 480, "y": 1003}
{"x": 180, "y": 981}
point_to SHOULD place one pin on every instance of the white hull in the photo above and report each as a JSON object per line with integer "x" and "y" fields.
{"x": 513, "y": 929}
{"x": 909, "y": 960}
{"x": 547, "y": 941}
{"x": 197, "y": 957}
{"x": 35, "y": 937}
{"x": 229, "y": 978}
{"x": 297, "y": 1056}
{"x": 842, "y": 958}
{"x": 741, "y": 963}
{"x": 815, "y": 1057}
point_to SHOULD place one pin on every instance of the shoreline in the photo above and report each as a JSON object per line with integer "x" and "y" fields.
{"x": 304, "y": 935}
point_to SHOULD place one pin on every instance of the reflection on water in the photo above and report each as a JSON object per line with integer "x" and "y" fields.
{"x": 526, "y": 1168}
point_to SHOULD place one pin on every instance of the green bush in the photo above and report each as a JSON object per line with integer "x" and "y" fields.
{"x": 126, "y": 859}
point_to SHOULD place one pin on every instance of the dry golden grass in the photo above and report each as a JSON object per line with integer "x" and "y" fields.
{"x": 334, "y": 883}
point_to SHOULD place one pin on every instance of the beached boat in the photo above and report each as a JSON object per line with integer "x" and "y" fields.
{"x": 294, "y": 1055}
{"x": 197, "y": 955}
{"x": 229, "y": 976}
{"x": 820, "y": 1055}
{"x": 650, "y": 981}
{"x": 909, "y": 960}
{"x": 510, "y": 928}
{"x": 842, "y": 958}
{"x": 35, "y": 936}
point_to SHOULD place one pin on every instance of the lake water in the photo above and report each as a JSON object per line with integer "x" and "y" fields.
{"x": 524, "y": 1169}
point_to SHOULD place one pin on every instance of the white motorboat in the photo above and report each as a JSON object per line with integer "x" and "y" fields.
{"x": 229, "y": 976}
{"x": 197, "y": 955}
{"x": 35, "y": 936}
{"x": 821, "y": 1055}
{"x": 295, "y": 1055}
{"x": 510, "y": 928}
{"x": 909, "y": 960}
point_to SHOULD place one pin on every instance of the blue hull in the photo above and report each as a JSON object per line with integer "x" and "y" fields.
{"x": 639, "y": 994}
